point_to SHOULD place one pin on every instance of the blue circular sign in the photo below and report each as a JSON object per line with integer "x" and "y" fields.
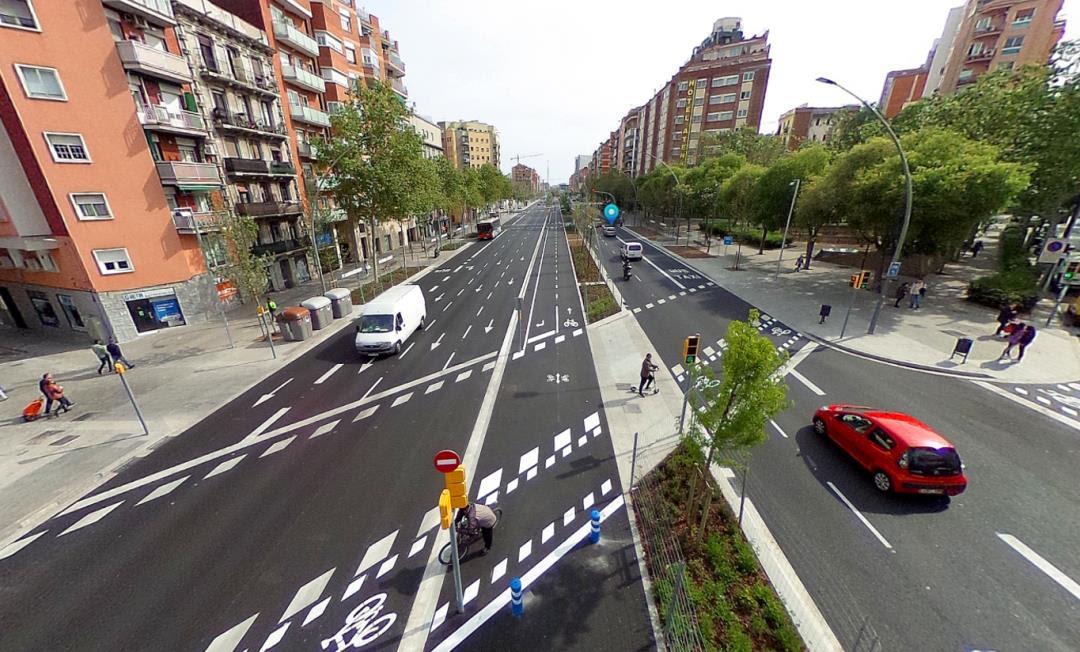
{"x": 611, "y": 212}
{"x": 1055, "y": 246}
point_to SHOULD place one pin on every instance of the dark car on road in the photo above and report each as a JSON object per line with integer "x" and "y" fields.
{"x": 903, "y": 454}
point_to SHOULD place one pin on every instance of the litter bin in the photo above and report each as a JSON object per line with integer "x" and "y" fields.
{"x": 340, "y": 302}
{"x": 321, "y": 313}
{"x": 295, "y": 323}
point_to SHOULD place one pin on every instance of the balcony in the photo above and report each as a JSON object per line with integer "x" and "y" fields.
{"x": 244, "y": 166}
{"x": 268, "y": 208}
{"x": 160, "y": 118}
{"x": 302, "y": 78}
{"x": 399, "y": 87}
{"x": 286, "y": 32}
{"x": 191, "y": 223}
{"x": 283, "y": 168}
{"x": 306, "y": 150}
{"x": 240, "y": 123}
{"x": 308, "y": 115}
{"x": 276, "y": 247}
{"x": 395, "y": 65}
{"x": 987, "y": 30}
{"x": 983, "y": 55}
{"x": 158, "y": 12}
{"x": 189, "y": 176}
{"x": 144, "y": 59}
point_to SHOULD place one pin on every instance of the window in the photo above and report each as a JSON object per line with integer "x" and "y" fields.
{"x": 727, "y": 98}
{"x": 680, "y": 104}
{"x": 17, "y": 13}
{"x": 350, "y": 54}
{"x": 1012, "y": 45}
{"x": 712, "y": 117}
{"x": 91, "y": 206}
{"x": 1006, "y": 65}
{"x": 346, "y": 24}
{"x": 741, "y": 113}
{"x": 857, "y": 423}
{"x": 983, "y": 24}
{"x": 717, "y": 81}
{"x": 684, "y": 85}
{"x": 882, "y": 440}
{"x": 678, "y": 119}
{"x": 748, "y": 76}
{"x": 113, "y": 261}
{"x": 724, "y": 115}
{"x": 1023, "y": 17}
{"x": 745, "y": 95}
{"x": 67, "y": 148}
{"x": 729, "y": 80}
{"x": 699, "y": 101}
{"x": 206, "y": 49}
{"x": 41, "y": 83}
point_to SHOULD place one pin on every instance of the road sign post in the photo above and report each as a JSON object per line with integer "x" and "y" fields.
{"x": 454, "y": 496}
{"x": 121, "y": 369}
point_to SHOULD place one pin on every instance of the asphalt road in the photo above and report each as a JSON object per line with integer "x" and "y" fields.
{"x": 301, "y": 515}
{"x": 893, "y": 572}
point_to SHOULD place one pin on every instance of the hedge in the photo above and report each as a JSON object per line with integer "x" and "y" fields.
{"x": 1016, "y": 284}
{"x": 746, "y": 235}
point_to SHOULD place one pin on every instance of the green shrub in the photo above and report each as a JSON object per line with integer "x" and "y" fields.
{"x": 719, "y": 555}
{"x": 1016, "y": 286}
{"x": 739, "y": 640}
{"x": 746, "y": 561}
{"x": 748, "y": 236}
{"x": 1011, "y": 249}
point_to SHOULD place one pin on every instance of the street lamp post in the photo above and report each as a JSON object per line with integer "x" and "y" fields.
{"x": 907, "y": 195}
{"x": 791, "y": 209}
{"x": 678, "y": 195}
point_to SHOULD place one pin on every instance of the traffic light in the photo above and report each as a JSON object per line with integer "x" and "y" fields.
{"x": 1071, "y": 275}
{"x": 860, "y": 280}
{"x": 455, "y": 484}
{"x": 854, "y": 280}
{"x": 446, "y": 513}
{"x": 690, "y": 348}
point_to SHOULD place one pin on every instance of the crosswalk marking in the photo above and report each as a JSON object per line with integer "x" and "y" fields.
{"x": 430, "y": 520}
{"x": 471, "y": 591}
{"x": 417, "y": 546}
{"x": 440, "y": 616}
{"x": 549, "y": 531}
{"x": 606, "y": 487}
{"x": 592, "y": 421}
{"x": 229, "y": 639}
{"x": 490, "y": 483}
{"x": 275, "y": 637}
{"x": 224, "y": 466}
{"x": 568, "y": 516}
{"x": 162, "y": 490}
{"x": 498, "y": 571}
{"x": 531, "y": 474}
{"x": 549, "y": 461}
{"x": 511, "y": 486}
{"x": 562, "y": 440}
{"x": 91, "y": 518}
{"x": 315, "y": 612}
{"x": 306, "y": 595}
{"x": 353, "y": 587}
{"x": 386, "y": 566}
{"x": 365, "y": 413}
{"x": 588, "y": 501}
{"x": 529, "y": 460}
{"x": 16, "y": 546}
{"x": 584, "y": 439}
{"x": 525, "y": 550}
{"x": 434, "y": 387}
{"x": 377, "y": 552}
{"x": 325, "y": 428}
{"x": 401, "y": 399}
{"x": 463, "y": 376}
{"x": 278, "y": 446}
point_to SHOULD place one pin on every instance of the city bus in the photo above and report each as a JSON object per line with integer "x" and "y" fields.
{"x": 488, "y": 229}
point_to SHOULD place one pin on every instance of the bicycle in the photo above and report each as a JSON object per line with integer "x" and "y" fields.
{"x": 365, "y": 621}
{"x": 466, "y": 537}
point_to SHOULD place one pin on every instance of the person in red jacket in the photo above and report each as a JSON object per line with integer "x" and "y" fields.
{"x": 54, "y": 392}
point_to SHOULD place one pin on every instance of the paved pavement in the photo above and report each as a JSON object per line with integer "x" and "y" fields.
{"x": 301, "y": 513}
{"x": 995, "y": 568}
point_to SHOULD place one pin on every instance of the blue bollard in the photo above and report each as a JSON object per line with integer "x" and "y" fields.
{"x": 594, "y": 535}
{"x": 517, "y": 605}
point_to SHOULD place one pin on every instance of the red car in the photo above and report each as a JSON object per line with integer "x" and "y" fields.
{"x": 904, "y": 454}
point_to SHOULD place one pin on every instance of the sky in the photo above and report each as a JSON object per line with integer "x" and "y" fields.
{"x": 556, "y": 76}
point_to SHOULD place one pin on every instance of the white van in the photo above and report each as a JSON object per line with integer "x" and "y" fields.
{"x": 632, "y": 250}
{"x": 389, "y": 320}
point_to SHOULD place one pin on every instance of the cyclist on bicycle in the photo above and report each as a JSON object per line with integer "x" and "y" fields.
{"x": 478, "y": 516}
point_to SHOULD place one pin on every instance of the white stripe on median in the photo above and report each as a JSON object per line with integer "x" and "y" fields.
{"x": 1042, "y": 564}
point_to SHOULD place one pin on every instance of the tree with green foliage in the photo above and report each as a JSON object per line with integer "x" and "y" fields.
{"x": 451, "y": 189}
{"x": 737, "y": 193}
{"x": 756, "y": 148}
{"x": 244, "y": 268}
{"x": 657, "y": 190}
{"x": 852, "y": 128}
{"x": 619, "y": 185}
{"x": 729, "y": 413}
{"x": 774, "y": 190}
{"x": 375, "y": 158}
{"x": 702, "y": 184}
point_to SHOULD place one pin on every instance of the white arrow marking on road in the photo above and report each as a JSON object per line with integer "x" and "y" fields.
{"x": 439, "y": 298}
{"x": 266, "y": 397}
{"x": 438, "y": 342}
{"x": 540, "y": 324}
{"x": 479, "y": 287}
{"x": 487, "y": 329}
{"x": 363, "y": 367}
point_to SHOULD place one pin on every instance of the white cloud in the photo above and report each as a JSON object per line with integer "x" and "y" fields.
{"x": 555, "y": 77}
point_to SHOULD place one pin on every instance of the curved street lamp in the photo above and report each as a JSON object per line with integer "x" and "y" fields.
{"x": 907, "y": 194}
{"x": 678, "y": 195}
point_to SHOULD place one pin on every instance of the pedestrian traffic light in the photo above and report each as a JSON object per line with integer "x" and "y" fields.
{"x": 690, "y": 348}
{"x": 446, "y": 513}
{"x": 860, "y": 280}
{"x": 455, "y": 485}
{"x": 1071, "y": 275}
{"x": 854, "y": 280}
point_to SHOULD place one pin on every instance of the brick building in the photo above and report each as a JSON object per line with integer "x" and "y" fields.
{"x": 806, "y": 123}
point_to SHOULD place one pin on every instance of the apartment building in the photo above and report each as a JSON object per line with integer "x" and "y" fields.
{"x": 430, "y": 134}
{"x": 941, "y": 50}
{"x": 234, "y": 78}
{"x": 1001, "y": 34}
{"x": 629, "y": 132}
{"x": 88, "y": 242}
{"x": 470, "y": 143}
{"x": 523, "y": 175}
{"x": 810, "y": 124}
{"x": 902, "y": 87}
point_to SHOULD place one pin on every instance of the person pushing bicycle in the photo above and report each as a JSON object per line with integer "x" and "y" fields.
{"x": 478, "y": 516}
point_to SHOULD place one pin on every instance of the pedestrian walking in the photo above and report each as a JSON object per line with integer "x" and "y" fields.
{"x": 117, "y": 355}
{"x": 647, "y": 374}
{"x": 271, "y": 305}
{"x": 1014, "y": 340}
{"x": 1007, "y": 314}
{"x": 1025, "y": 339}
{"x": 917, "y": 296}
{"x": 102, "y": 353}
{"x": 799, "y": 262}
{"x": 976, "y": 248}
{"x": 824, "y": 313}
{"x": 46, "y": 378}
{"x": 901, "y": 292}
{"x": 56, "y": 393}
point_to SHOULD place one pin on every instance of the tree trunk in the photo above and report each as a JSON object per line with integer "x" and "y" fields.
{"x": 705, "y": 511}
{"x": 374, "y": 248}
{"x": 809, "y": 251}
{"x": 764, "y": 232}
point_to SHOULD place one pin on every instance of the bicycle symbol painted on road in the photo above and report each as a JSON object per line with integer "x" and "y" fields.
{"x": 364, "y": 624}
{"x": 780, "y": 332}
{"x": 682, "y": 273}
{"x": 570, "y": 323}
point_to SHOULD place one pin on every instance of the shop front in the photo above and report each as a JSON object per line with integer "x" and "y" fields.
{"x": 153, "y": 310}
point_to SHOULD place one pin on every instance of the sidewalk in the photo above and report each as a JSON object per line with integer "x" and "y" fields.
{"x": 46, "y": 464}
{"x": 922, "y": 338}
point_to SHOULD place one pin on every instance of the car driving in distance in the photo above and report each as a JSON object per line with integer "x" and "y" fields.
{"x": 902, "y": 454}
{"x": 608, "y": 231}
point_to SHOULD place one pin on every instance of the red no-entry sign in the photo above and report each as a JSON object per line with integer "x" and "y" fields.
{"x": 446, "y": 461}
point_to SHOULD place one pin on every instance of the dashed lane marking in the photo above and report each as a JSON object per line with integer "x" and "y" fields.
{"x": 404, "y": 398}
{"x": 307, "y": 595}
{"x": 324, "y": 428}
{"x": 228, "y": 464}
{"x": 365, "y": 413}
{"x": 163, "y": 490}
{"x": 91, "y": 518}
{"x": 376, "y": 552}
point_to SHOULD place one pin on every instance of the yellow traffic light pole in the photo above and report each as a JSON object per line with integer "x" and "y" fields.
{"x": 690, "y": 353}
{"x": 455, "y": 496}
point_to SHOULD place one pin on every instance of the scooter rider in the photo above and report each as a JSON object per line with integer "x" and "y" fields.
{"x": 626, "y": 269}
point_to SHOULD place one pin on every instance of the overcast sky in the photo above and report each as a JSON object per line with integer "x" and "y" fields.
{"x": 555, "y": 76}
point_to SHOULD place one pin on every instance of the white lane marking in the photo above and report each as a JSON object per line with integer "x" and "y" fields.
{"x": 778, "y": 429}
{"x": 806, "y": 381}
{"x": 470, "y": 593}
{"x": 511, "y": 486}
{"x": 447, "y": 306}
{"x": 228, "y": 640}
{"x": 566, "y": 451}
{"x": 682, "y": 294}
{"x": 661, "y": 301}
{"x": 277, "y": 446}
{"x": 592, "y": 421}
{"x": 439, "y": 617}
{"x": 568, "y": 516}
{"x": 434, "y": 387}
{"x": 372, "y": 388}
{"x": 540, "y": 347}
{"x": 646, "y": 259}
{"x": 266, "y": 424}
{"x": 163, "y": 490}
{"x": 15, "y": 546}
{"x": 525, "y": 550}
{"x": 562, "y": 440}
{"x": 226, "y": 465}
{"x": 1043, "y": 400}
{"x": 376, "y": 552}
{"x": 404, "y": 398}
{"x": 489, "y": 296}
{"x": 461, "y": 290}
{"x": 1021, "y": 391}
{"x": 559, "y": 339}
{"x": 480, "y": 311}
{"x": 1069, "y": 411}
{"x": 488, "y": 367}
{"x": 316, "y": 611}
{"x": 498, "y": 571}
{"x": 386, "y": 566}
{"x": 549, "y": 531}
{"x": 363, "y": 414}
{"x": 353, "y": 587}
{"x": 456, "y": 269}
{"x": 448, "y": 360}
{"x": 434, "y": 287}
{"x": 582, "y": 440}
{"x": 578, "y": 332}
{"x": 417, "y": 546}
{"x": 709, "y": 351}
{"x": 1052, "y": 571}
{"x": 1075, "y": 386}
{"x": 859, "y": 515}
{"x": 490, "y": 483}
{"x": 588, "y": 501}
{"x": 541, "y": 336}
{"x": 517, "y": 354}
{"x": 427, "y": 327}
{"x": 649, "y": 306}
{"x": 1045, "y": 411}
{"x": 596, "y": 432}
{"x": 439, "y": 298}
{"x": 549, "y": 461}
{"x": 91, "y": 518}
{"x": 637, "y": 310}
{"x": 467, "y": 332}
{"x": 444, "y": 279}
{"x": 544, "y": 565}
{"x": 430, "y": 520}
{"x": 307, "y": 595}
{"x": 270, "y": 395}
{"x": 324, "y": 428}
{"x": 407, "y": 349}
{"x": 606, "y": 487}
{"x": 275, "y": 637}
{"x": 323, "y": 378}
{"x": 529, "y": 460}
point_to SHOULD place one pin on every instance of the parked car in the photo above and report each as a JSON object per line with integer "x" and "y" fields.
{"x": 632, "y": 250}
{"x": 903, "y": 454}
{"x": 609, "y": 231}
{"x": 389, "y": 320}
